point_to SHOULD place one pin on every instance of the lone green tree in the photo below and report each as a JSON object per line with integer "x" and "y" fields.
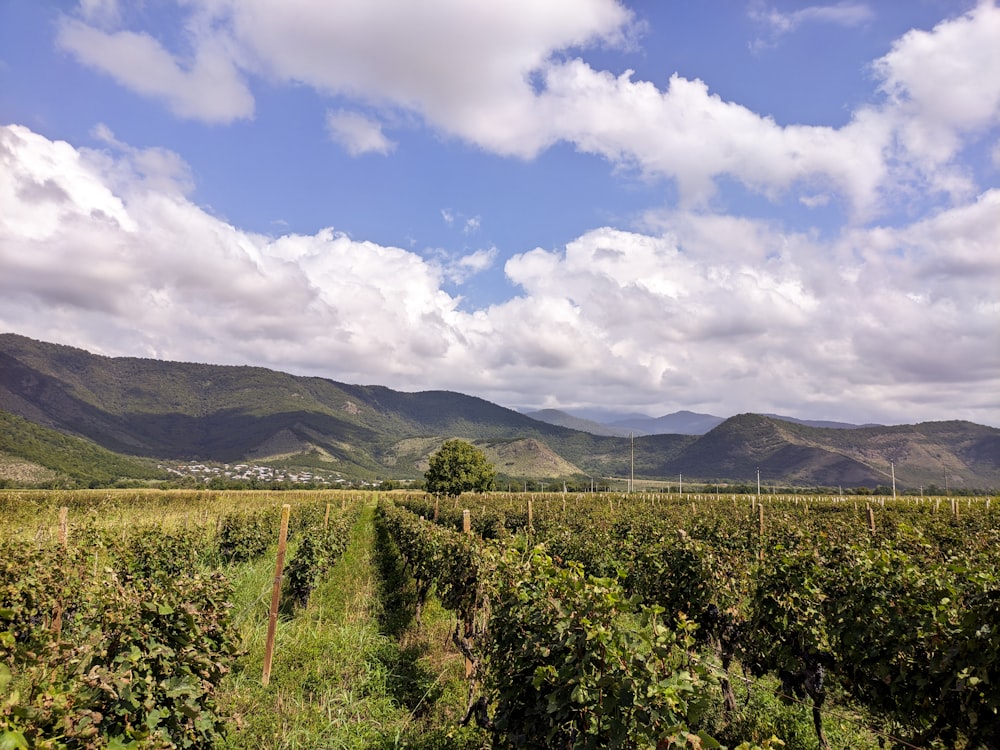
{"x": 459, "y": 467}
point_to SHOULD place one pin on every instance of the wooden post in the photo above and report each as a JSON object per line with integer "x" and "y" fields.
{"x": 760, "y": 531}
{"x": 64, "y": 526}
{"x": 871, "y": 519}
{"x": 530, "y": 515}
{"x": 466, "y": 522}
{"x": 436, "y": 501}
{"x": 326, "y": 518}
{"x": 272, "y": 621}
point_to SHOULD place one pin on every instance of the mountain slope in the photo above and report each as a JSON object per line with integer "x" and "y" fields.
{"x": 176, "y": 410}
{"x": 210, "y": 412}
{"x": 32, "y": 454}
{"x": 677, "y": 423}
{"x": 561, "y": 418}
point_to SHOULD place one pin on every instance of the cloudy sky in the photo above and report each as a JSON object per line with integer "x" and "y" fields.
{"x": 722, "y": 206}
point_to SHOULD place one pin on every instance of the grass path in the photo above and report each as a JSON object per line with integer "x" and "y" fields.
{"x": 350, "y": 670}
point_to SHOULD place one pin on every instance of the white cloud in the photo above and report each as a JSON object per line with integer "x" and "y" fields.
{"x": 463, "y": 66}
{"x": 104, "y": 12}
{"x": 207, "y": 87}
{"x": 357, "y": 133}
{"x": 814, "y": 201}
{"x": 695, "y": 137}
{"x": 718, "y": 313}
{"x": 778, "y": 24}
{"x": 472, "y": 225}
{"x": 464, "y": 268}
{"x": 157, "y": 169}
{"x": 503, "y": 76}
{"x": 944, "y": 83}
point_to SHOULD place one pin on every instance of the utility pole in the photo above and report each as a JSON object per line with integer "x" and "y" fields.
{"x": 758, "y": 483}
{"x": 680, "y": 484}
{"x": 892, "y": 467}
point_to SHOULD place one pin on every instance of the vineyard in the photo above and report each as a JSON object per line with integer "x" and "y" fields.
{"x": 149, "y": 619}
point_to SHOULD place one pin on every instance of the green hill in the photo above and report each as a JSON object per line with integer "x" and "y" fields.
{"x": 30, "y": 454}
{"x": 186, "y": 411}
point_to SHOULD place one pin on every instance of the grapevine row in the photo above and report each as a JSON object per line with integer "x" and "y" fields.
{"x": 901, "y": 623}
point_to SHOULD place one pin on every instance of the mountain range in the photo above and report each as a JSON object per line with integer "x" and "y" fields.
{"x": 132, "y": 414}
{"x": 677, "y": 423}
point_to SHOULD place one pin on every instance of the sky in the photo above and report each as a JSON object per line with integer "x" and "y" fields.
{"x": 725, "y": 206}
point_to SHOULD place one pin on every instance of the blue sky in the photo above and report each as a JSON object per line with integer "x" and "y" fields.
{"x": 719, "y": 206}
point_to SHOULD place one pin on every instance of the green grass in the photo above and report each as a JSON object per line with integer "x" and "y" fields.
{"x": 762, "y": 712}
{"x": 351, "y": 670}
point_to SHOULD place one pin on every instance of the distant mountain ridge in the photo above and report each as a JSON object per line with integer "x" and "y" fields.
{"x": 677, "y": 423}
{"x": 171, "y": 410}
{"x": 565, "y": 419}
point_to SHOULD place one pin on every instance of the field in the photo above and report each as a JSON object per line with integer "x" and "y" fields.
{"x": 140, "y": 619}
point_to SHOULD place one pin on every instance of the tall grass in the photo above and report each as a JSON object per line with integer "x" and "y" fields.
{"x": 350, "y": 669}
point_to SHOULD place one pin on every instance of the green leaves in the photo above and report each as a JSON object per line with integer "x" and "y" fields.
{"x": 459, "y": 467}
{"x": 317, "y": 551}
{"x": 604, "y": 671}
{"x": 12, "y": 740}
{"x": 133, "y": 653}
{"x": 901, "y": 627}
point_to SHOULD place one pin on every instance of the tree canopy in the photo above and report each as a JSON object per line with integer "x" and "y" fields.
{"x": 459, "y": 467}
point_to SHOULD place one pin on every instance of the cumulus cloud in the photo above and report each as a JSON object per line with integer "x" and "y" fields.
{"x": 695, "y": 137}
{"x": 704, "y": 311}
{"x": 469, "y": 265}
{"x": 206, "y": 87}
{"x": 463, "y": 66}
{"x": 357, "y": 133}
{"x": 940, "y": 85}
{"x": 150, "y": 269}
{"x": 508, "y": 78}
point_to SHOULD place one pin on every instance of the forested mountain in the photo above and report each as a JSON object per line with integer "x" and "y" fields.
{"x": 182, "y": 411}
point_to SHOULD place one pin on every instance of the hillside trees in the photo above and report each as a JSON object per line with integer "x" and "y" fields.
{"x": 459, "y": 467}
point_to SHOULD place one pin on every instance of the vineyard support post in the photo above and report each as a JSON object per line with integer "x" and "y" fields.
{"x": 436, "y": 502}
{"x": 64, "y": 526}
{"x": 466, "y": 522}
{"x": 530, "y": 515}
{"x": 326, "y": 518}
{"x": 760, "y": 530}
{"x": 272, "y": 620}
{"x": 871, "y": 520}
